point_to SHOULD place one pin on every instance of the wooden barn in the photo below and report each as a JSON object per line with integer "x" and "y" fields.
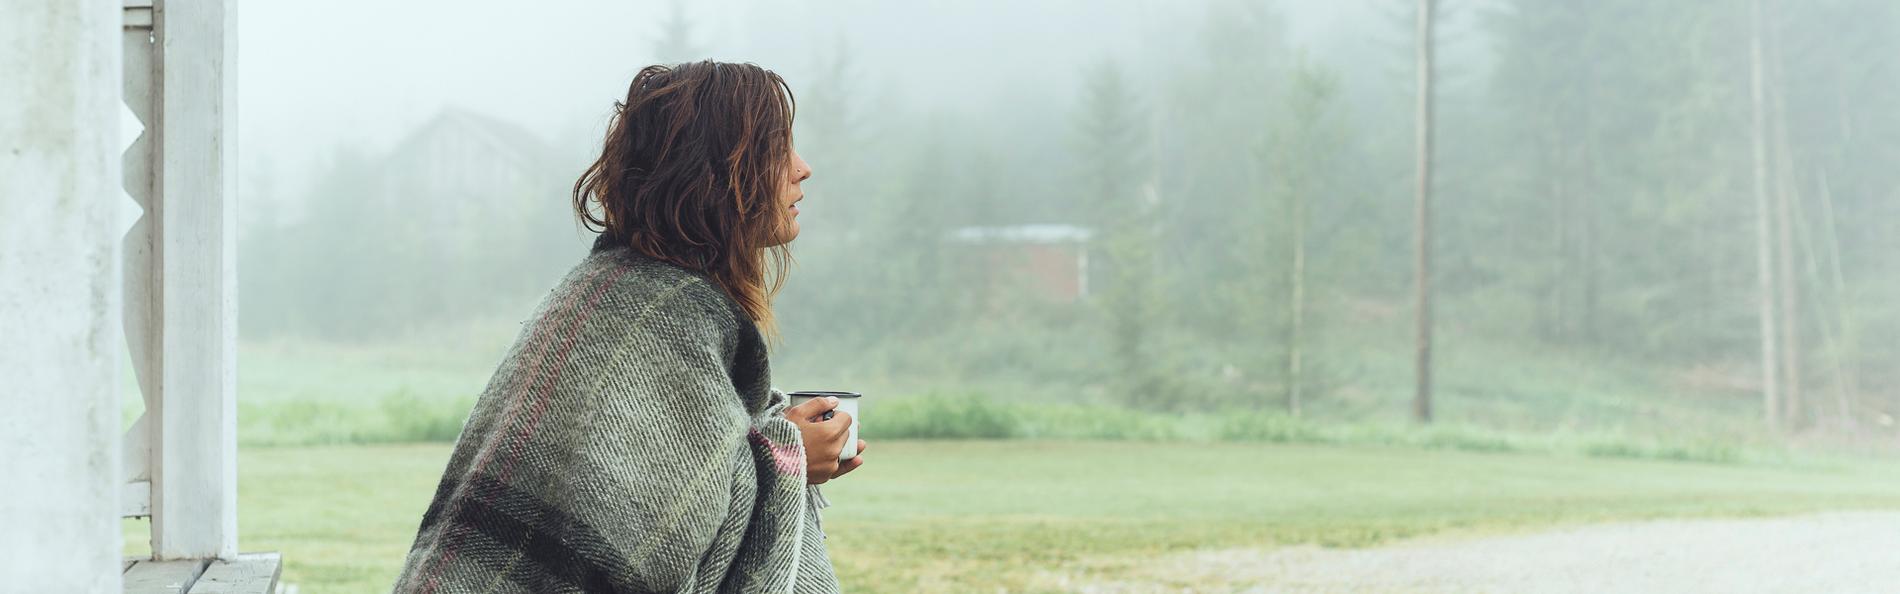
{"x": 1048, "y": 262}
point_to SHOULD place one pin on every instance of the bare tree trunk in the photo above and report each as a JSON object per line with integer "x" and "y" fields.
{"x": 1293, "y": 363}
{"x": 1586, "y": 201}
{"x": 1566, "y": 215}
{"x": 1844, "y": 347}
{"x": 1587, "y": 244}
{"x": 1792, "y": 404}
{"x": 1844, "y": 309}
{"x": 1422, "y": 398}
{"x": 1830, "y": 336}
{"x": 1551, "y": 319}
{"x": 1763, "y": 256}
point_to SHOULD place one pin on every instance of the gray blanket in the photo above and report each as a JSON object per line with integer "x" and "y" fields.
{"x": 629, "y": 442}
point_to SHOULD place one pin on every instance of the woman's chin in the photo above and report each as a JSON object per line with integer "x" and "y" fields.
{"x": 789, "y": 234}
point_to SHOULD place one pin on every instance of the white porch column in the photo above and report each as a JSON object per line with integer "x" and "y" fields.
{"x": 194, "y": 423}
{"x": 60, "y": 348}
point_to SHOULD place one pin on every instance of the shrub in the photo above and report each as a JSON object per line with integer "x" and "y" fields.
{"x": 1695, "y": 452}
{"x": 409, "y": 418}
{"x": 941, "y": 417}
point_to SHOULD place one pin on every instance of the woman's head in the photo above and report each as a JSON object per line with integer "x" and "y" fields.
{"x": 698, "y": 170}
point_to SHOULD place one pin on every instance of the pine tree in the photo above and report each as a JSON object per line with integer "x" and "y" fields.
{"x": 1308, "y": 142}
{"x": 676, "y": 37}
{"x": 1113, "y": 136}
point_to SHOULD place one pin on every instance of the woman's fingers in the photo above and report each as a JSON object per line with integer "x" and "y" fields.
{"x": 841, "y": 425}
{"x": 853, "y": 463}
{"x": 811, "y": 409}
{"x": 848, "y": 466}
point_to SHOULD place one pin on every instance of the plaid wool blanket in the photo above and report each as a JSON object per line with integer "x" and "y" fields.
{"x": 629, "y": 442}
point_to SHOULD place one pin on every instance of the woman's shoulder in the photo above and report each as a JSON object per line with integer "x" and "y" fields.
{"x": 649, "y": 302}
{"x": 640, "y": 291}
{"x": 616, "y": 302}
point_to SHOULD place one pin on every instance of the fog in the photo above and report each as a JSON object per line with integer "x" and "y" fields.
{"x": 1134, "y": 221}
{"x": 362, "y": 74}
{"x": 1591, "y": 162}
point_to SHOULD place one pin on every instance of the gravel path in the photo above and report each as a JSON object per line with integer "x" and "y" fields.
{"x": 1833, "y": 553}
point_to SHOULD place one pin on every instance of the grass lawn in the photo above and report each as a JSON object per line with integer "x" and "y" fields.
{"x": 964, "y": 516}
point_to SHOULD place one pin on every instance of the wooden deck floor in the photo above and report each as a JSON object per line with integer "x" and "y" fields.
{"x": 250, "y": 573}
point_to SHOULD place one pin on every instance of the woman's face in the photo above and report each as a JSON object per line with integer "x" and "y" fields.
{"x": 799, "y": 171}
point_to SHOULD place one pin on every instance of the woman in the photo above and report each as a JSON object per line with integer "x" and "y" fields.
{"x": 630, "y": 441}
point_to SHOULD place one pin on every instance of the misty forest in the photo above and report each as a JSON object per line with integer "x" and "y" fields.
{"x": 1643, "y": 216}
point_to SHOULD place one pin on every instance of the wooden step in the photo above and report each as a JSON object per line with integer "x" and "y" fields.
{"x": 250, "y": 573}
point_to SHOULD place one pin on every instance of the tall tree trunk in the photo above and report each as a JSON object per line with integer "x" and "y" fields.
{"x": 1792, "y": 405}
{"x": 1551, "y": 319}
{"x": 1298, "y": 282}
{"x": 1586, "y": 199}
{"x": 1793, "y": 414}
{"x": 1846, "y": 348}
{"x": 1566, "y": 216}
{"x": 1763, "y": 255}
{"x": 1422, "y": 397}
{"x": 1830, "y": 336}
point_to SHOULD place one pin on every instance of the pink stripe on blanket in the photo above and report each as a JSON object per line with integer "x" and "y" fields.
{"x": 536, "y": 392}
{"x": 786, "y": 458}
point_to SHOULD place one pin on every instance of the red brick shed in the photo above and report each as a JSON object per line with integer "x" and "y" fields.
{"x": 1049, "y": 261}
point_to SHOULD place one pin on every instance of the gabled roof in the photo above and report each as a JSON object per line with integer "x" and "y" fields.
{"x": 518, "y": 143}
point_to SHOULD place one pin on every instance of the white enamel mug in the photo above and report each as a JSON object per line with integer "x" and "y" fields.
{"x": 847, "y": 402}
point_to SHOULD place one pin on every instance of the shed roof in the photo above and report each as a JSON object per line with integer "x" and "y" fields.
{"x": 1040, "y": 233}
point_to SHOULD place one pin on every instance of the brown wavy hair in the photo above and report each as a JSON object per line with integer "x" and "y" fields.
{"x": 691, "y": 171}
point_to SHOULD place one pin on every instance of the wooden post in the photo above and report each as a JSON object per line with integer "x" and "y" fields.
{"x": 139, "y": 252}
{"x": 194, "y": 426}
{"x": 59, "y": 338}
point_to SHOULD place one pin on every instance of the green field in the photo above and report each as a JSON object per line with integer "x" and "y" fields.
{"x": 965, "y": 516}
{"x": 300, "y": 393}
{"x": 342, "y": 446}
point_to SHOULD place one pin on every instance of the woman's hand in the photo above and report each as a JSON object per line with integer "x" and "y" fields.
{"x": 824, "y": 439}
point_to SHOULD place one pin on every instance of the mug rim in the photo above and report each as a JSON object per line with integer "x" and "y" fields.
{"x": 823, "y": 393}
